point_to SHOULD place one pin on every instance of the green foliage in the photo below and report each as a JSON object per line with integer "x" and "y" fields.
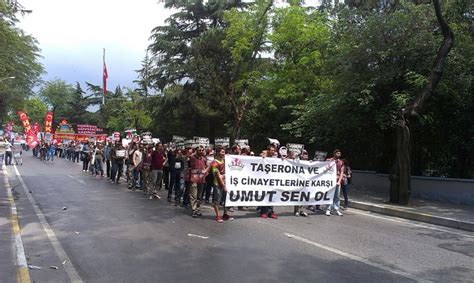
{"x": 58, "y": 95}
{"x": 35, "y": 108}
{"x": 18, "y": 58}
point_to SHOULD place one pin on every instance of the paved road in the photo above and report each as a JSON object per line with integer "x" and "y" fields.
{"x": 111, "y": 234}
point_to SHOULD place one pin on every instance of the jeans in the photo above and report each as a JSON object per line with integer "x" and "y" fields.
{"x": 166, "y": 177}
{"x": 85, "y": 163}
{"x": 336, "y": 200}
{"x": 117, "y": 170}
{"x": 2, "y": 157}
{"x": 8, "y": 157}
{"x": 135, "y": 178}
{"x": 344, "y": 189}
{"x": 156, "y": 179}
{"x": 176, "y": 184}
{"x": 178, "y": 189}
{"x": 173, "y": 177}
{"x": 99, "y": 165}
{"x": 50, "y": 155}
{"x": 76, "y": 156}
{"x": 206, "y": 192}
{"x": 108, "y": 168}
{"x": 187, "y": 189}
{"x": 266, "y": 209}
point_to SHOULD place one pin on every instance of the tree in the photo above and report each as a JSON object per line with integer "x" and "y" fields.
{"x": 35, "y": 108}
{"x": 188, "y": 52}
{"x": 245, "y": 39}
{"x": 400, "y": 188}
{"x": 144, "y": 74}
{"x": 58, "y": 95}
{"x": 19, "y": 58}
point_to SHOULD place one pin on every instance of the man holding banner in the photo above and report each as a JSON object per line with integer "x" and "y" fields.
{"x": 219, "y": 189}
{"x": 340, "y": 176}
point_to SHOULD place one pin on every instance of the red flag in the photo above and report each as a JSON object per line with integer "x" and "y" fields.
{"x": 105, "y": 75}
{"x": 48, "y": 123}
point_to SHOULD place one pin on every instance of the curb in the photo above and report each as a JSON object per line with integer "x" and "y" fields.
{"x": 416, "y": 216}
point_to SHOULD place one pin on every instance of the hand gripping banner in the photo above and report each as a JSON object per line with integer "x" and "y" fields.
{"x": 257, "y": 181}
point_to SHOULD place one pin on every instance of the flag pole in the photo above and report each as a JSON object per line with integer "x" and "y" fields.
{"x": 104, "y": 78}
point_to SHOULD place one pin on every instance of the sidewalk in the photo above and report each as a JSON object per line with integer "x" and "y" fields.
{"x": 438, "y": 213}
{"x": 8, "y": 268}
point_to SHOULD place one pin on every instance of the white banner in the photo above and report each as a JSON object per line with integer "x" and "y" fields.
{"x": 256, "y": 181}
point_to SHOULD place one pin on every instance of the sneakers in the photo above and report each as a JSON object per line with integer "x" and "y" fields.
{"x": 328, "y": 213}
{"x": 273, "y": 215}
{"x": 231, "y": 209}
{"x": 195, "y": 215}
{"x": 338, "y": 213}
{"x": 297, "y": 214}
{"x": 150, "y": 197}
{"x": 227, "y": 217}
{"x": 219, "y": 219}
{"x": 264, "y": 215}
{"x": 304, "y": 214}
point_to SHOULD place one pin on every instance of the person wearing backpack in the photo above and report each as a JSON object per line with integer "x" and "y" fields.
{"x": 217, "y": 173}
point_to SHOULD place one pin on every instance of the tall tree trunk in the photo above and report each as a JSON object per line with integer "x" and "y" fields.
{"x": 400, "y": 187}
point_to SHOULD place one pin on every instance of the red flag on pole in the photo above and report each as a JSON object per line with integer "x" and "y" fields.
{"x": 104, "y": 79}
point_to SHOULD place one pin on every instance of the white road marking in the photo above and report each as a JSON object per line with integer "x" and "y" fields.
{"x": 78, "y": 180}
{"x": 69, "y": 267}
{"x": 356, "y": 258}
{"x": 21, "y": 262}
{"x": 197, "y": 236}
{"x": 407, "y": 222}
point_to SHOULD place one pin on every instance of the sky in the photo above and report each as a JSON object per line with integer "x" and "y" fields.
{"x": 73, "y": 33}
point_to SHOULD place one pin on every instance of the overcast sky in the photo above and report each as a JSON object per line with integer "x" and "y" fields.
{"x": 72, "y": 34}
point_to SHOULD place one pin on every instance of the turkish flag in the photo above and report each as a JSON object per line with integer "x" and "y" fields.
{"x": 104, "y": 78}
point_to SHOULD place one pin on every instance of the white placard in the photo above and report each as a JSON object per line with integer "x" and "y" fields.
{"x": 120, "y": 153}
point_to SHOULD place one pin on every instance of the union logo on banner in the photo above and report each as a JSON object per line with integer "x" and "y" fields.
{"x": 236, "y": 164}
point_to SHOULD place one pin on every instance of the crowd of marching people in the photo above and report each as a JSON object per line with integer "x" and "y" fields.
{"x": 190, "y": 176}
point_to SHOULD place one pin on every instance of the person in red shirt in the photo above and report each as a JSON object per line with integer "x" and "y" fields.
{"x": 157, "y": 160}
{"x": 197, "y": 167}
